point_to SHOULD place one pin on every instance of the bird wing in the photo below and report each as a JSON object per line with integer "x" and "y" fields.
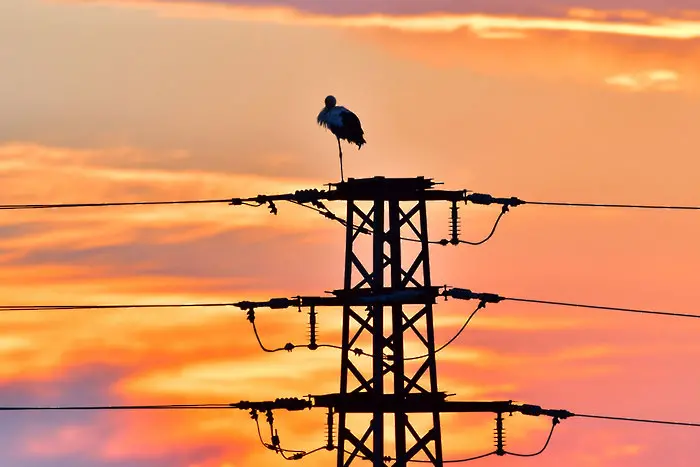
{"x": 350, "y": 120}
{"x": 331, "y": 118}
{"x": 322, "y": 118}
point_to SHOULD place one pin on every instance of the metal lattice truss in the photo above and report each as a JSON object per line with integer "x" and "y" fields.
{"x": 361, "y": 277}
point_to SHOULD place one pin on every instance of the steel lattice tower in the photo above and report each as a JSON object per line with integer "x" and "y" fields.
{"x": 396, "y": 214}
{"x": 387, "y": 299}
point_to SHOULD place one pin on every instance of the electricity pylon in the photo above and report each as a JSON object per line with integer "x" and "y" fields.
{"x": 387, "y": 296}
{"x": 396, "y": 213}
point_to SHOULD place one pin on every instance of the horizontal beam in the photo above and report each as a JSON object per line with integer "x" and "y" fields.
{"x": 364, "y": 402}
{"x": 356, "y": 297}
{"x": 354, "y": 402}
{"x": 366, "y": 189}
{"x": 426, "y": 403}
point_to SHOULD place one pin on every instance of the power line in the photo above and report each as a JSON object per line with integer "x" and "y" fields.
{"x": 379, "y": 190}
{"x": 466, "y": 294}
{"x": 328, "y": 214}
{"x": 599, "y": 307}
{"x": 445, "y": 461}
{"x": 357, "y": 351}
{"x": 111, "y": 204}
{"x": 624, "y": 206}
{"x": 476, "y": 198}
{"x": 274, "y": 445}
{"x": 453, "y": 338}
{"x": 246, "y": 405}
{"x": 555, "y": 422}
{"x": 119, "y": 407}
{"x": 458, "y": 293}
{"x": 289, "y": 346}
{"x": 513, "y": 201}
{"x": 109, "y": 307}
{"x": 638, "y": 420}
{"x": 493, "y": 230}
{"x": 466, "y": 459}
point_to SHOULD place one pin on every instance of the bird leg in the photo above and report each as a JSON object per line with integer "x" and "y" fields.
{"x": 340, "y": 153}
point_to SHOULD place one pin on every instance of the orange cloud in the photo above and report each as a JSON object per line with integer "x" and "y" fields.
{"x": 80, "y": 253}
{"x": 662, "y": 80}
{"x": 579, "y": 20}
{"x": 558, "y": 143}
{"x": 39, "y": 174}
{"x": 621, "y": 50}
{"x": 616, "y": 62}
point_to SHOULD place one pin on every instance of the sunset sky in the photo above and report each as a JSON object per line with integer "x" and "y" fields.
{"x": 130, "y": 100}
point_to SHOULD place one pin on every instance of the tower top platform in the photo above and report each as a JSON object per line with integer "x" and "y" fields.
{"x": 383, "y": 188}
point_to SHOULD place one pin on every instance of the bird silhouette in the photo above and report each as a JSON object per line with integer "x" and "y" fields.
{"x": 343, "y": 124}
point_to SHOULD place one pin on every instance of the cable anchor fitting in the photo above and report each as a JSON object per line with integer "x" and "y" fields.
{"x": 486, "y": 199}
{"x": 275, "y": 442}
{"x": 270, "y": 418}
{"x": 271, "y": 206}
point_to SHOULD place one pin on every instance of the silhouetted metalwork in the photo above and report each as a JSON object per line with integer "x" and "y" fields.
{"x": 387, "y": 295}
{"x": 403, "y": 273}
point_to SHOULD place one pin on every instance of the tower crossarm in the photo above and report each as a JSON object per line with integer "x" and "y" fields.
{"x": 357, "y": 297}
{"x": 364, "y": 189}
{"x": 503, "y": 407}
{"x": 282, "y": 403}
{"x": 427, "y": 402}
{"x": 413, "y": 402}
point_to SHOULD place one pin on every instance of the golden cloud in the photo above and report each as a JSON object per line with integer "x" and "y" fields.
{"x": 662, "y": 80}
{"x": 619, "y": 50}
{"x": 35, "y": 174}
{"x": 44, "y": 343}
{"x": 627, "y": 22}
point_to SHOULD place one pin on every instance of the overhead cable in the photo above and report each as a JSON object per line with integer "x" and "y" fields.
{"x": 451, "y": 340}
{"x": 117, "y": 407}
{"x": 301, "y": 404}
{"x": 487, "y": 199}
{"x": 638, "y": 420}
{"x": 110, "y": 307}
{"x": 624, "y": 206}
{"x": 111, "y": 204}
{"x": 466, "y": 294}
{"x": 493, "y": 230}
{"x": 555, "y": 422}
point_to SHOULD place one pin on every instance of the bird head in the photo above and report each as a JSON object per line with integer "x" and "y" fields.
{"x": 330, "y": 101}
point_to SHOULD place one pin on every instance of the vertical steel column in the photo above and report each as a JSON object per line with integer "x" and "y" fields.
{"x": 394, "y": 240}
{"x": 344, "y": 359}
{"x": 360, "y": 391}
{"x": 377, "y": 285}
{"x": 430, "y": 331}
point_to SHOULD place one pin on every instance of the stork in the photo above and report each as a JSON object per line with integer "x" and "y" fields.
{"x": 343, "y": 124}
